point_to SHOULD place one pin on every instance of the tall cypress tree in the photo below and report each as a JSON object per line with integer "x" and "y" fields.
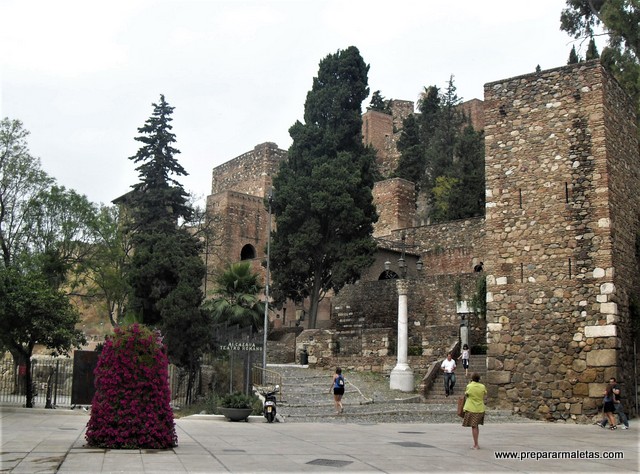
{"x": 323, "y": 193}
{"x": 573, "y": 56}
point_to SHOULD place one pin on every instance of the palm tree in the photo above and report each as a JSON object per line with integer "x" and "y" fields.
{"x": 238, "y": 303}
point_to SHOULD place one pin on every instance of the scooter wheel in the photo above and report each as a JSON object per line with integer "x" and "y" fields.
{"x": 270, "y": 417}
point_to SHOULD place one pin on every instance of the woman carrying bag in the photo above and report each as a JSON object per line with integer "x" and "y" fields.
{"x": 475, "y": 394}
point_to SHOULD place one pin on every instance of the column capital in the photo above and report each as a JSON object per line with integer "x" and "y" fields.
{"x": 403, "y": 286}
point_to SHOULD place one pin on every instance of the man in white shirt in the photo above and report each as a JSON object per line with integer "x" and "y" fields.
{"x": 449, "y": 366}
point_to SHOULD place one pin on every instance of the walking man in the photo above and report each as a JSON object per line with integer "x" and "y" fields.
{"x": 448, "y": 366}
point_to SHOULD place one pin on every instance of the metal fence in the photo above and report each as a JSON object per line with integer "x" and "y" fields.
{"x": 56, "y": 375}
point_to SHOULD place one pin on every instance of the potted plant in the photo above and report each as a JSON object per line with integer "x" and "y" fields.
{"x": 236, "y": 406}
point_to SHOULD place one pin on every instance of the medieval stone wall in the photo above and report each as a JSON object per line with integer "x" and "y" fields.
{"x": 624, "y": 212}
{"x": 250, "y": 173}
{"x": 550, "y": 162}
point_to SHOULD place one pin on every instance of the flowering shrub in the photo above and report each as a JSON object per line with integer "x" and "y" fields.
{"x": 130, "y": 408}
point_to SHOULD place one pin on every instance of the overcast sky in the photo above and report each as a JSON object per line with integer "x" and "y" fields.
{"x": 82, "y": 75}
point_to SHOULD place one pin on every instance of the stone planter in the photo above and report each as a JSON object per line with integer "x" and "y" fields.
{"x": 235, "y": 414}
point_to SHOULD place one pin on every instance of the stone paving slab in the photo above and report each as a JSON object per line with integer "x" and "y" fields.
{"x": 48, "y": 441}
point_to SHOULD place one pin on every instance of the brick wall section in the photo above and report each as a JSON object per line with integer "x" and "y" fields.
{"x": 474, "y": 110}
{"x": 377, "y": 127}
{"x": 382, "y": 131}
{"x": 553, "y": 322}
{"x": 395, "y": 203}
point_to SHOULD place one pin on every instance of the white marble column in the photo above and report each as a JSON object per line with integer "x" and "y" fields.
{"x": 402, "y": 376}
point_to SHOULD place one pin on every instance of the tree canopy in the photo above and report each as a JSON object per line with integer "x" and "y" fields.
{"x": 43, "y": 234}
{"x": 619, "y": 20}
{"x": 444, "y": 156}
{"x": 323, "y": 193}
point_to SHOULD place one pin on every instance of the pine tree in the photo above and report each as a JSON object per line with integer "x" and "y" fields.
{"x": 323, "y": 193}
{"x": 166, "y": 271}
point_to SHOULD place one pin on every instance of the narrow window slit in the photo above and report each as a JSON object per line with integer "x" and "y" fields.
{"x": 520, "y": 195}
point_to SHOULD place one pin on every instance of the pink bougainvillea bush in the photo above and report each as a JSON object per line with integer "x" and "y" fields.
{"x": 131, "y": 406}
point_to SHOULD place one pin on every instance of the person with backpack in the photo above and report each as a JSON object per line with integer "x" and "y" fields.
{"x": 337, "y": 386}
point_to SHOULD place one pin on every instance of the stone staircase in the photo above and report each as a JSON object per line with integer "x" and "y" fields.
{"x": 368, "y": 398}
{"x": 437, "y": 396}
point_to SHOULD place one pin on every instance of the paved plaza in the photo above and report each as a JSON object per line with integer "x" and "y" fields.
{"x": 44, "y": 441}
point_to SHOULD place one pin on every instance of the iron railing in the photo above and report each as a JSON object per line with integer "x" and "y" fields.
{"x": 54, "y": 376}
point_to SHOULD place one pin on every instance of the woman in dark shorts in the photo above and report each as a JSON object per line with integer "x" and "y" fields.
{"x": 609, "y": 406}
{"x": 475, "y": 394}
{"x": 337, "y": 385}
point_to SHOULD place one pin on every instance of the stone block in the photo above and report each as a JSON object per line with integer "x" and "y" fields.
{"x": 494, "y": 327}
{"x": 607, "y": 289}
{"x": 576, "y": 409}
{"x": 579, "y": 365}
{"x": 499, "y": 378}
{"x": 588, "y": 376}
{"x": 581, "y": 389}
{"x": 596, "y": 390}
{"x": 600, "y": 331}
{"x": 609, "y": 308}
{"x": 601, "y": 358}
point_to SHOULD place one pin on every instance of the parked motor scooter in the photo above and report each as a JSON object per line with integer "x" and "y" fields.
{"x": 270, "y": 404}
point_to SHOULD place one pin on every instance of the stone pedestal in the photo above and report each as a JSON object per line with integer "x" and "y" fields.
{"x": 402, "y": 375}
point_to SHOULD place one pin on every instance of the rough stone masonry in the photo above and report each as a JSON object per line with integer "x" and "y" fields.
{"x": 562, "y": 180}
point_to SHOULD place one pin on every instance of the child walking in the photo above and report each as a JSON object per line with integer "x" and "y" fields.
{"x": 465, "y": 359}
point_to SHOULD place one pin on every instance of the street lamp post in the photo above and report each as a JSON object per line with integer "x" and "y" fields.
{"x": 402, "y": 375}
{"x": 266, "y": 289}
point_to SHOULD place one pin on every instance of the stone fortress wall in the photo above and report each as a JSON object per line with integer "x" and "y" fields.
{"x": 558, "y": 242}
{"x": 561, "y": 222}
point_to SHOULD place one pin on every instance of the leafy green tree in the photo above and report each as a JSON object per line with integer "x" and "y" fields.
{"x": 619, "y": 19}
{"x": 323, "y": 201}
{"x": 43, "y": 236}
{"x": 105, "y": 276}
{"x": 32, "y": 312}
{"x": 165, "y": 254}
{"x": 238, "y": 301}
{"x": 21, "y": 179}
{"x": 442, "y": 192}
{"x": 61, "y": 237}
